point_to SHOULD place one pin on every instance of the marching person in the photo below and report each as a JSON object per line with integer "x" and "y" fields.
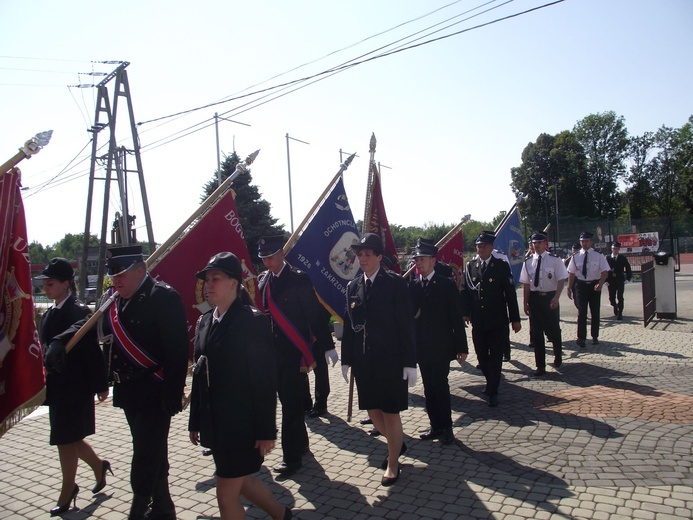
{"x": 440, "y": 337}
{"x": 378, "y": 345}
{"x": 543, "y": 276}
{"x": 574, "y": 250}
{"x": 71, "y": 385}
{"x": 296, "y": 319}
{"x": 146, "y": 344}
{"x": 234, "y": 390}
{"x": 620, "y": 273}
{"x": 588, "y": 270}
{"x": 489, "y": 301}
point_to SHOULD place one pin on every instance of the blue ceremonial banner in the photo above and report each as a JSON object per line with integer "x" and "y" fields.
{"x": 509, "y": 240}
{"x": 323, "y": 249}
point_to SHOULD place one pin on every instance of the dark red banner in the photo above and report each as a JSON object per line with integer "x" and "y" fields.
{"x": 377, "y": 220}
{"x": 22, "y": 382}
{"x": 452, "y": 253}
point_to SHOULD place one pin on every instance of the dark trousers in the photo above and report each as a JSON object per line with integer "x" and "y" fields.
{"x": 488, "y": 345}
{"x": 322, "y": 385}
{"x": 149, "y": 428}
{"x": 616, "y": 286}
{"x": 437, "y": 392}
{"x": 544, "y": 320}
{"x": 291, "y": 388}
{"x": 586, "y": 297}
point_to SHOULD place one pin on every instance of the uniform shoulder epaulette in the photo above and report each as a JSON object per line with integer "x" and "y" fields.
{"x": 554, "y": 255}
{"x": 256, "y": 311}
{"x": 162, "y": 284}
{"x": 81, "y": 305}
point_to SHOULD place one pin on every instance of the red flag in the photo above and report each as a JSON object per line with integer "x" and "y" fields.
{"x": 22, "y": 383}
{"x": 452, "y": 253}
{"x": 376, "y": 220}
{"x": 217, "y": 230}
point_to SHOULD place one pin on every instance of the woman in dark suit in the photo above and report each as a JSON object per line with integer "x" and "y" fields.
{"x": 234, "y": 390}
{"x": 378, "y": 343}
{"x": 70, "y": 389}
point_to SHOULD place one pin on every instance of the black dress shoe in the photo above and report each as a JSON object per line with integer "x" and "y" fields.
{"x": 557, "y": 362}
{"x": 619, "y": 317}
{"x": 59, "y": 510}
{"x": 288, "y": 515}
{"x": 317, "y": 413}
{"x": 388, "y": 481}
{"x": 206, "y": 452}
{"x": 448, "y": 437}
{"x": 595, "y": 341}
{"x": 493, "y": 401}
{"x": 287, "y": 469}
{"x": 615, "y": 310}
{"x": 374, "y": 432}
{"x": 539, "y": 372}
{"x": 401, "y": 452}
{"x": 580, "y": 343}
{"x": 367, "y": 420}
{"x": 506, "y": 357}
{"x": 105, "y": 466}
{"x": 431, "y": 434}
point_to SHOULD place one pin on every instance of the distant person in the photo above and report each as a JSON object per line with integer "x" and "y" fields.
{"x": 620, "y": 273}
{"x": 233, "y": 401}
{"x": 440, "y": 337}
{"x": 588, "y": 270}
{"x": 489, "y": 302}
{"x": 543, "y": 276}
{"x": 318, "y": 408}
{"x": 574, "y": 250}
{"x": 379, "y": 346}
{"x": 71, "y": 382}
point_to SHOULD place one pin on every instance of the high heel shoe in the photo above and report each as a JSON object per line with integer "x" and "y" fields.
{"x": 105, "y": 466}
{"x": 59, "y": 510}
{"x": 401, "y": 452}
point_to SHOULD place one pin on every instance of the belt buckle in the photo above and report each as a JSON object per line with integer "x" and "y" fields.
{"x": 116, "y": 377}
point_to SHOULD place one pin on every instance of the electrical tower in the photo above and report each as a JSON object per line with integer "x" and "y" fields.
{"x": 115, "y": 163}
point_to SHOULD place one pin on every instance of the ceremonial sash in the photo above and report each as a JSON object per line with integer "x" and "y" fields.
{"x": 291, "y": 332}
{"x": 132, "y": 350}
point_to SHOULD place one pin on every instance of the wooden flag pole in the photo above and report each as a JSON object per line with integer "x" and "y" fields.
{"x": 31, "y": 147}
{"x": 293, "y": 238}
{"x": 154, "y": 258}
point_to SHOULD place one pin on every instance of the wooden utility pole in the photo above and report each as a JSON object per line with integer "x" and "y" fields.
{"x": 105, "y": 117}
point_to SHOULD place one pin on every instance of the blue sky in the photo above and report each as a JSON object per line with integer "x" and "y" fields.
{"x": 451, "y": 117}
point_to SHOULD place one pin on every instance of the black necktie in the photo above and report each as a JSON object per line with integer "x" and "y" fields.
{"x": 424, "y": 282}
{"x": 482, "y": 269}
{"x": 369, "y": 285}
{"x": 584, "y": 266}
{"x": 536, "y": 273}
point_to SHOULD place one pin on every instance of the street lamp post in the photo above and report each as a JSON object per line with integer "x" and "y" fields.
{"x": 558, "y": 234}
{"x": 217, "y": 117}
{"x": 288, "y": 167}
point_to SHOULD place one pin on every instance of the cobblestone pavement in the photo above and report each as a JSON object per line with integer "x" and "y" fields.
{"x": 608, "y": 435}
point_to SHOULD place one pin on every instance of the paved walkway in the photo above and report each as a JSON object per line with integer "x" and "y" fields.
{"x": 608, "y": 435}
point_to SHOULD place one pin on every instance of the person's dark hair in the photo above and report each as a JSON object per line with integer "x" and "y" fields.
{"x": 72, "y": 287}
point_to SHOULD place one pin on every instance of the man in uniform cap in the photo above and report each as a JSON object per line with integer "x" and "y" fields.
{"x": 440, "y": 337}
{"x": 489, "y": 302}
{"x": 620, "y": 273}
{"x": 300, "y": 332}
{"x": 543, "y": 276}
{"x": 146, "y": 343}
{"x": 588, "y": 270}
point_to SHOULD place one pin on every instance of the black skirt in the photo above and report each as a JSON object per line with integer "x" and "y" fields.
{"x": 72, "y": 421}
{"x": 234, "y": 463}
{"x": 388, "y": 394}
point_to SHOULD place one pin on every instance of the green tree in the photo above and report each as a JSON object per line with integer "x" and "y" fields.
{"x": 604, "y": 138}
{"x": 254, "y": 211}
{"x": 639, "y": 186}
{"x": 40, "y": 254}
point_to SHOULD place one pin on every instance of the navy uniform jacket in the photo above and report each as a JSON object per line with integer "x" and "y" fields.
{"x": 620, "y": 268}
{"x": 293, "y": 293}
{"x": 489, "y": 300}
{"x": 438, "y": 319}
{"x": 386, "y": 344}
{"x": 84, "y": 372}
{"x": 239, "y": 405}
{"x": 155, "y": 319}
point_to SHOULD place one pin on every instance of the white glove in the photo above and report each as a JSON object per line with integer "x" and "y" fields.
{"x": 331, "y": 355}
{"x": 345, "y": 372}
{"x": 409, "y": 374}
